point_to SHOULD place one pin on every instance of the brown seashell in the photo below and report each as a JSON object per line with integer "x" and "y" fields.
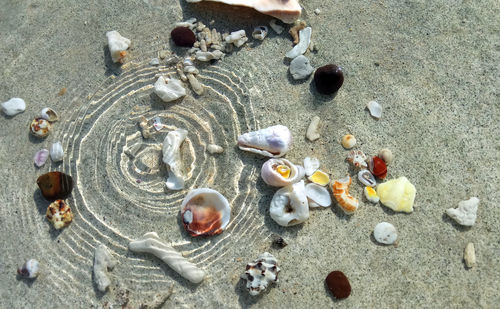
{"x": 59, "y": 213}
{"x": 40, "y": 127}
{"x": 55, "y": 185}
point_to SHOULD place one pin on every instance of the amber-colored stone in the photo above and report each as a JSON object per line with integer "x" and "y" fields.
{"x": 338, "y": 284}
{"x": 55, "y": 185}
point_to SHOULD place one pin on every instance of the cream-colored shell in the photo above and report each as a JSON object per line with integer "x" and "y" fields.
{"x": 290, "y": 197}
{"x": 273, "y": 178}
{"x": 272, "y": 142}
{"x": 397, "y": 194}
{"x": 318, "y": 196}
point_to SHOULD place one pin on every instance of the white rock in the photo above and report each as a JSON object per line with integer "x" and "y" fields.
{"x": 212, "y": 148}
{"x": 375, "y": 109}
{"x": 172, "y": 158}
{"x": 312, "y": 133}
{"x": 195, "y": 84}
{"x": 299, "y": 49}
{"x": 13, "y": 107}
{"x": 154, "y": 61}
{"x": 277, "y": 28}
{"x": 56, "y": 152}
{"x": 311, "y": 164}
{"x": 465, "y": 214}
{"x": 169, "y": 89}
{"x": 470, "y": 255}
{"x": 117, "y": 44}
{"x": 289, "y": 205}
{"x": 103, "y": 261}
{"x": 300, "y": 67}
{"x": 317, "y": 11}
{"x": 238, "y": 38}
{"x": 385, "y": 233}
{"x": 207, "y": 56}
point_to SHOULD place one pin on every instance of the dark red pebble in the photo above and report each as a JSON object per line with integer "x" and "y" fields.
{"x": 378, "y": 167}
{"x": 338, "y": 284}
{"x": 183, "y": 36}
{"x": 328, "y": 79}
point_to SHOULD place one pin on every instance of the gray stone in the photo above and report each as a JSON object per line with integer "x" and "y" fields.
{"x": 300, "y": 67}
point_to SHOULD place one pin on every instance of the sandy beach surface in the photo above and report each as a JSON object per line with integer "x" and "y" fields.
{"x": 432, "y": 65}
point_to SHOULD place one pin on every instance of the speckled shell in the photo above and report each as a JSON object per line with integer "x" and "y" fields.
{"x": 260, "y": 273}
{"x": 289, "y": 205}
{"x": 357, "y": 158}
{"x": 272, "y": 142}
{"x": 40, "y": 127}
{"x": 347, "y": 202}
{"x": 273, "y": 178}
{"x": 59, "y": 214}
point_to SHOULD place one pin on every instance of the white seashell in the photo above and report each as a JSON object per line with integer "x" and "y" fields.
{"x": 260, "y": 32}
{"x": 375, "y": 109}
{"x": 465, "y": 214}
{"x": 312, "y": 133}
{"x": 117, "y": 45}
{"x": 310, "y": 165}
{"x": 299, "y": 49}
{"x": 385, "y": 233}
{"x": 151, "y": 243}
{"x": 277, "y": 28}
{"x": 172, "y": 158}
{"x": 49, "y": 114}
{"x": 470, "y": 255}
{"x": 103, "y": 261}
{"x": 273, "y": 141}
{"x": 41, "y": 157}
{"x": 56, "y": 152}
{"x": 357, "y": 158}
{"x": 260, "y": 273}
{"x": 386, "y": 155}
{"x": 212, "y": 148}
{"x": 272, "y": 176}
{"x": 289, "y": 205}
{"x": 366, "y": 178}
{"x": 348, "y": 141}
{"x": 30, "y": 269}
{"x": 169, "y": 89}
{"x": 238, "y": 38}
{"x": 318, "y": 195}
{"x": 13, "y": 107}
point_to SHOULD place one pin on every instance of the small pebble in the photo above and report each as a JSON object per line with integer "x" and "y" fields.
{"x": 154, "y": 61}
{"x": 162, "y": 54}
{"x": 385, "y": 233}
{"x": 13, "y": 107}
{"x": 375, "y": 109}
{"x": 278, "y": 241}
{"x": 29, "y": 270}
{"x": 212, "y": 148}
{"x": 470, "y": 255}
{"x": 328, "y": 79}
{"x": 317, "y": 11}
{"x": 277, "y": 28}
{"x": 183, "y": 36}
{"x": 312, "y": 133}
{"x": 338, "y": 284}
{"x": 386, "y": 155}
{"x": 56, "y": 152}
{"x": 348, "y": 141}
{"x": 300, "y": 67}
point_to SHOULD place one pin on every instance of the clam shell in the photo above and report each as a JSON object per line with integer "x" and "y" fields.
{"x": 205, "y": 212}
{"x": 318, "y": 195}
{"x": 49, "y": 114}
{"x": 40, "y": 127}
{"x": 289, "y": 205}
{"x": 272, "y": 142}
{"x": 310, "y": 165}
{"x": 41, "y": 157}
{"x": 273, "y": 178}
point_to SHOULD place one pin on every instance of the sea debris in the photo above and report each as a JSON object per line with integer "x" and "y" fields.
{"x": 41, "y": 157}
{"x": 277, "y": 28}
{"x": 59, "y": 214}
{"x": 294, "y": 31}
{"x": 289, "y": 205}
{"x": 154, "y": 62}
{"x": 13, "y": 106}
{"x": 49, "y": 114}
{"x": 157, "y": 123}
{"x": 371, "y": 195}
{"x": 465, "y": 214}
{"x": 281, "y": 172}
{"x": 213, "y": 149}
{"x": 40, "y": 127}
{"x": 205, "y": 212}
{"x": 347, "y": 202}
{"x": 377, "y": 167}
{"x": 151, "y": 243}
{"x": 348, "y": 141}
{"x": 117, "y": 45}
{"x": 338, "y": 284}
{"x": 195, "y": 84}
{"x": 190, "y": 23}
{"x": 300, "y": 67}
{"x": 357, "y": 158}
{"x": 375, "y": 109}
{"x": 319, "y": 177}
{"x": 470, "y": 255}
{"x": 56, "y": 152}
{"x": 260, "y": 273}
{"x": 169, "y": 89}
{"x": 397, "y": 194}
{"x": 273, "y": 141}
{"x": 311, "y": 164}
{"x": 260, "y": 32}
{"x": 183, "y": 36}
{"x": 386, "y": 155}
{"x": 55, "y": 185}
{"x": 172, "y": 158}
{"x": 30, "y": 269}
{"x": 301, "y": 47}
{"x": 328, "y": 79}
{"x": 145, "y": 128}
{"x": 312, "y": 133}
{"x": 318, "y": 196}
{"x": 278, "y": 241}
{"x": 103, "y": 261}
{"x": 238, "y": 38}
{"x": 208, "y": 56}
{"x": 385, "y": 233}
{"x": 366, "y": 178}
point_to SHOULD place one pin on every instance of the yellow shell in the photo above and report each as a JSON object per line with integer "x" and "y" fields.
{"x": 283, "y": 170}
{"x": 397, "y": 194}
{"x": 320, "y": 178}
{"x": 371, "y": 195}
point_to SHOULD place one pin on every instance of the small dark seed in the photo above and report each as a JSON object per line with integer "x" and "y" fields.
{"x": 328, "y": 79}
{"x": 183, "y": 36}
{"x": 338, "y": 284}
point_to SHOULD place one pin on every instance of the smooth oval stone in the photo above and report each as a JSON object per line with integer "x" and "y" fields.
{"x": 328, "y": 79}
{"x": 183, "y": 36}
{"x": 55, "y": 185}
{"x": 300, "y": 67}
{"x": 338, "y": 284}
{"x": 385, "y": 233}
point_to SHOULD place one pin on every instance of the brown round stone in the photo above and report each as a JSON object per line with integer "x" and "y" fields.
{"x": 328, "y": 79}
{"x": 338, "y": 284}
{"x": 55, "y": 185}
{"x": 183, "y": 36}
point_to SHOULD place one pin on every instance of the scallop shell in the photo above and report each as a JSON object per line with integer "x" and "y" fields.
{"x": 347, "y": 202}
{"x": 318, "y": 196}
{"x": 272, "y": 177}
{"x": 289, "y": 205}
{"x": 272, "y": 142}
{"x": 40, "y": 127}
{"x": 205, "y": 212}
{"x": 49, "y": 114}
{"x": 357, "y": 158}
{"x": 348, "y": 141}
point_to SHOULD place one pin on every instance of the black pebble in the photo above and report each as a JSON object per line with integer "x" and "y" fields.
{"x": 183, "y": 36}
{"x": 328, "y": 79}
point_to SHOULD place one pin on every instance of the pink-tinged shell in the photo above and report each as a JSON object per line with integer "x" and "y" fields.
{"x": 273, "y": 178}
{"x": 272, "y": 142}
{"x": 41, "y": 157}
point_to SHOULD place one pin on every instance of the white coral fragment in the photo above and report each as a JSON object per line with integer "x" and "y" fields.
{"x": 299, "y": 49}
{"x": 465, "y": 214}
{"x": 172, "y": 158}
{"x": 103, "y": 261}
{"x": 117, "y": 45}
{"x": 169, "y": 89}
{"x": 238, "y": 38}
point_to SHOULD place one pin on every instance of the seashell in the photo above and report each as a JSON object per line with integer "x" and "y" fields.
{"x": 348, "y": 141}
{"x": 55, "y": 185}
{"x": 465, "y": 214}
{"x": 103, "y": 260}
{"x": 172, "y": 158}
{"x": 385, "y": 233}
{"x": 377, "y": 167}
{"x": 371, "y": 195}
{"x": 154, "y": 62}
{"x": 260, "y": 273}
{"x": 238, "y": 38}
{"x": 312, "y": 133}
{"x": 212, "y": 148}
{"x": 13, "y": 107}
{"x": 41, "y": 157}
{"x": 319, "y": 177}
{"x": 40, "y": 127}
{"x": 366, "y": 178}
{"x": 117, "y": 45}
{"x": 386, "y": 155}
{"x": 273, "y": 141}
{"x": 49, "y": 114}
{"x": 30, "y": 269}
{"x": 318, "y": 195}
{"x": 375, "y": 109}
{"x": 328, "y": 79}
{"x": 338, "y": 284}
{"x": 357, "y": 158}
{"x": 470, "y": 255}
{"x": 289, "y": 205}
{"x": 59, "y": 214}
{"x": 347, "y": 202}
{"x": 301, "y": 47}
{"x": 183, "y": 36}
{"x": 286, "y": 11}
{"x": 169, "y": 89}
{"x": 205, "y": 212}
{"x": 277, "y": 28}
{"x": 260, "y": 32}
{"x": 310, "y": 165}
{"x": 56, "y": 152}
{"x": 397, "y": 194}
{"x": 281, "y": 172}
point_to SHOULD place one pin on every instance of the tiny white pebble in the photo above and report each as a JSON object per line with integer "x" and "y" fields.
{"x": 212, "y": 148}
{"x": 317, "y": 11}
{"x": 470, "y": 255}
{"x": 154, "y": 61}
{"x": 385, "y": 233}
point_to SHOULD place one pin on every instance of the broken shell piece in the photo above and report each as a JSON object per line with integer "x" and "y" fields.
{"x": 13, "y": 107}
{"x": 30, "y": 269}
{"x": 281, "y": 172}
{"x": 40, "y": 127}
{"x": 172, "y": 158}
{"x": 386, "y": 155}
{"x": 375, "y": 109}
{"x": 357, "y": 158}
{"x": 49, "y": 114}
{"x": 371, "y": 195}
{"x": 277, "y": 28}
{"x": 366, "y": 178}
{"x": 103, "y": 261}
{"x": 117, "y": 46}
{"x": 56, "y": 152}
{"x": 294, "y": 31}
{"x": 465, "y": 214}
{"x": 385, "y": 233}
{"x": 289, "y": 205}
{"x": 207, "y": 56}
{"x": 212, "y": 148}
{"x": 397, "y": 194}
{"x": 312, "y": 133}
{"x": 260, "y": 273}
{"x": 59, "y": 214}
{"x": 310, "y": 165}
{"x": 470, "y": 255}
{"x": 205, "y": 212}
{"x": 41, "y": 157}
{"x": 377, "y": 167}
{"x": 348, "y": 141}
{"x": 169, "y": 89}
{"x": 238, "y": 38}
{"x": 273, "y": 141}
{"x": 318, "y": 196}
{"x": 299, "y": 49}
{"x": 347, "y": 202}
{"x": 319, "y": 177}
{"x": 259, "y": 32}
{"x": 195, "y": 84}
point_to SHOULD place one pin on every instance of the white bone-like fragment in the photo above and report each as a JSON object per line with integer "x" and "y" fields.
{"x": 103, "y": 261}
{"x": 172, "y": 158}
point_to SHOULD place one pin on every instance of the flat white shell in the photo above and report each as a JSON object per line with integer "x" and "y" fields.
{"x": 294, "y": 197}
{"x": 211, "y": 198}
{"x": 56, "y": 152}
{"x": 385, "y": 233}
{"x": 49, "y": 114}
{"x": 116, "y": 44}
{"x": 273, "y": 141}
{"x": 318, "y": 195}
{"x": 172, "y": 158}
{"x": 273, "y": 178}
{"x": 375, "y": 109}
{"x": 169, "y": 89}
{"x": 311, "y": 165}
{"x": 13, "y": 107}
{"x": 299, "y": 49}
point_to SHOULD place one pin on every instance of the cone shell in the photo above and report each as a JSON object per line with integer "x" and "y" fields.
{"x": 55, "y": 185}
{"x": 347, "y": 202}
{"x": 272, "y": 177}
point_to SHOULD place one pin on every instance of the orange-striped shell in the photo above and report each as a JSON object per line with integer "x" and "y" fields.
{"x": 347, "y": 202}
